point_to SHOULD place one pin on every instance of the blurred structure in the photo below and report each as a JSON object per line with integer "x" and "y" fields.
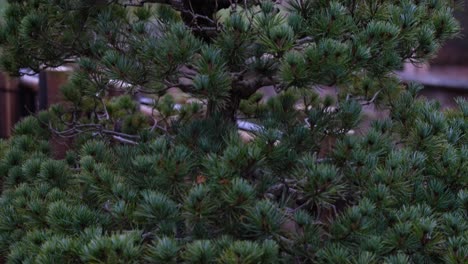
{"x": 455, "y": 51}
{"x": 446, "y": 76}
{"x": 21, "y": 96}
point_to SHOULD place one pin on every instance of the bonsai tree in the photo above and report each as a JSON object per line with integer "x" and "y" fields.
{"x": 176, "y": 183}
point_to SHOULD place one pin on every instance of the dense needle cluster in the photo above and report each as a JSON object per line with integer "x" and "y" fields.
{"x": 178, "y": 184}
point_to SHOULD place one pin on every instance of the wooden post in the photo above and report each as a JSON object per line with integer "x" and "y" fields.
{"x": 50, "y": 82}
{"x": 9, "y": 104}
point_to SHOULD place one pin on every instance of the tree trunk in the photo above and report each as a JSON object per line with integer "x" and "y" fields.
{"x": 232, "y": 108}
{"x": 229, "y": 113}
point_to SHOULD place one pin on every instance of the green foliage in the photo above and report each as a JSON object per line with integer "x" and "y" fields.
{"x": 179, "y": 184}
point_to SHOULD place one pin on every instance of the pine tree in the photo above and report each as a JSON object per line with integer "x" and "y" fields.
{"x": 180, "y": 185}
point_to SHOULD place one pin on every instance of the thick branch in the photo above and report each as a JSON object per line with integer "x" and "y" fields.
{"x": 186, "y": 5}
{"x": 247, "y": 87}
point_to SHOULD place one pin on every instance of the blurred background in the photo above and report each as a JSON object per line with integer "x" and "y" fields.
{"x": 444, "y": 79}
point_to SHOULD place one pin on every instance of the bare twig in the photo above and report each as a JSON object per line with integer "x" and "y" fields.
{"x": 372, "y": 100}
{"x": 124, "y": 140}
